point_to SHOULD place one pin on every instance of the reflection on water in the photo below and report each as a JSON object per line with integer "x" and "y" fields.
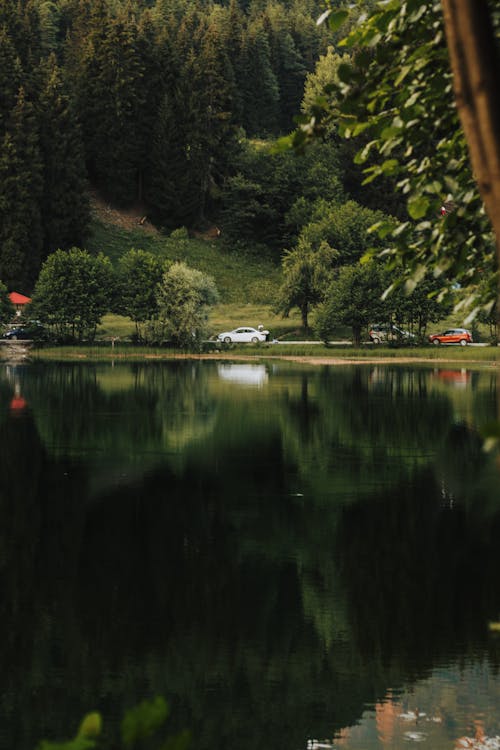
{"x": 247, "y": 375}
{"x": 293, "y": 557}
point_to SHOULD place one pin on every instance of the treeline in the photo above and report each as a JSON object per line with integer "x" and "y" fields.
{"x": 146, "y": 101}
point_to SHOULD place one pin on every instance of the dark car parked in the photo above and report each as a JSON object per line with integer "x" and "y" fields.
{"x": 27, "y": 332}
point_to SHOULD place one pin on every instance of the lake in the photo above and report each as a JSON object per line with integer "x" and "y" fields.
{"x": 294, "y": 557}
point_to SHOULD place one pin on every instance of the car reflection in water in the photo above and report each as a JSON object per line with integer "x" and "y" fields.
{"x": 248, "y": 375}
{"x": 457, "y": 378}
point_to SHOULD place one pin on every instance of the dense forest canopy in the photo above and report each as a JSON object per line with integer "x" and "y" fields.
{"x": 145, "y": 101}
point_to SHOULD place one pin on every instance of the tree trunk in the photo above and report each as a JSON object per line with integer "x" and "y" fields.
{"x": 304, "y": 312}
{"x": 475, "y": 65}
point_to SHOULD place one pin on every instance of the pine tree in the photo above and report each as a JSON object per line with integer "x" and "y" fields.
{"x": 170, "y": 192}
{"x": 65, "y": 208}
{"x": 10, "y": 77}
{"x": 112, "y": 99}
{"x": 259, "y": 83}
{"x": 286, "y": 61}
{"x": 20, "y": 195}
{"x": 212, "y": 138}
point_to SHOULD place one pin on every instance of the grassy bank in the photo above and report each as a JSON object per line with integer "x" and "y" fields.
{"x": 457, "y": 356}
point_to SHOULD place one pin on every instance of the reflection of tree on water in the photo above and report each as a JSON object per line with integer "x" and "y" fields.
{"x": 266, "y": 617}
{"x": 159, "y": 414}
{"x": 347, "y": 432}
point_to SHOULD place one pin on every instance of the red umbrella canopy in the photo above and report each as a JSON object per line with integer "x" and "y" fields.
{"x": 18, "y": 299}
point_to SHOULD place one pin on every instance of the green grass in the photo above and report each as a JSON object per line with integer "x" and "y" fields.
{"x": 487, "y": 356}
{"x": 238, "y": 276}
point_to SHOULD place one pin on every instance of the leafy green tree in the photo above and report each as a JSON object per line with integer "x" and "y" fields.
{"x": 6, "y": 306}
{"x": 410, "y": 125}
{"x": 184, "y": 296}
{"x": 306, "y": 275}
{"x": 345, "y": 227}
{"x": 139, "y": 273}
{"x": 73, "y": 292}
{"x": 325, "y": 74}
{"x": 273, "y": 194}
{"x": 353, "y": 299}
{"x": 419, "y": 308}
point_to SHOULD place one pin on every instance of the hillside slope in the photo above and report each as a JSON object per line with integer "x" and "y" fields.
{"x": 242, "y": 278}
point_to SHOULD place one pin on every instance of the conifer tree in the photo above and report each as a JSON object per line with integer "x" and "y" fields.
{"x": 259, "y": 84}
{"x": 20, "y": 194}
{"x": 65, "y": 209}
{"x": 287, "y": 63}
{"x": 212, "y": 138}
{"x": 10, "y": 77}
{"x": 170, "y": 191}
{"x": 112, "y": 102}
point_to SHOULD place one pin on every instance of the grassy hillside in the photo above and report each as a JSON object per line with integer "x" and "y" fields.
{"x": 247, "y": 284}
{"x": 239, "y": 278}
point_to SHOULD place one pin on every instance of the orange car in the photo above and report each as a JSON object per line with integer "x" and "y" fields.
{"x": 452, "y": 336}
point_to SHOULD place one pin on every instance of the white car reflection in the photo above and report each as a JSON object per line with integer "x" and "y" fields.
{"x": 249, "y": 375}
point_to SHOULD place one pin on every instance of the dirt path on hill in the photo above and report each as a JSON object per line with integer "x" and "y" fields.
{"x": 134, "y": 218}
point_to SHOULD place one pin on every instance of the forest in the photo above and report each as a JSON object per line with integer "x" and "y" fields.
{"x": 170, "y": 106}
{"x": 182, "y": 110}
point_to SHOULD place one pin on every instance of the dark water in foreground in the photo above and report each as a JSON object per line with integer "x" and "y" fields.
{"x": 293, "y": 557}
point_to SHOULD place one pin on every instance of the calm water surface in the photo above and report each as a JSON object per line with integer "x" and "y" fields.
{"x": 295, "y": 558}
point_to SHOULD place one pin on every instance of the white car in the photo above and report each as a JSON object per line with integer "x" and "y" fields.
{"x": 243, "y": 335}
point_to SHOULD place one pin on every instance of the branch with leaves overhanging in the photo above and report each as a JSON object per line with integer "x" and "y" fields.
{"x": 396, "y": 95}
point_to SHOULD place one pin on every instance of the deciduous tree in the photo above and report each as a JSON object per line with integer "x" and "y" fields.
{"x": 353, "y": 299}
{"x": 139, "y": 274}
{"x": 73, "y": 292}
{"x": 420, "y": 134}
{"x": 306, "y": 273}
{"x": 184, "y": 297}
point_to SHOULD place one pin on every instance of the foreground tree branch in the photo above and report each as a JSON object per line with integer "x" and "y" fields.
{"x": 475, "y": 64}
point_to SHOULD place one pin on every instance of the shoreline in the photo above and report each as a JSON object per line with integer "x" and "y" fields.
{"x": 308, "y": 359}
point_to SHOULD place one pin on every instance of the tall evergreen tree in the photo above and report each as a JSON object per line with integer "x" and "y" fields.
{"x": 169, "y": 187}
{"x": 65, "y": 211}
{"x": 20, "y": 195}
{"x": 260, "y": 85}
{"x": 286, "y": 62}
{"x": 10, "y": 77}
{"x": 213, "y": 136}
{"x": 112, "y": 102}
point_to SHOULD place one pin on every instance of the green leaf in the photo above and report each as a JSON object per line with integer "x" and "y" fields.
{"x": 140, "y": 722}
{"x": 389, "y": 166}
{"x": 91, "y": 725}
{"x": 363, "y": 153}
{"x": 180, "y": 741}
{"x": 418, "y": 206}
{"x": 337, "y": 18}
{"x": 402, "y": 74}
